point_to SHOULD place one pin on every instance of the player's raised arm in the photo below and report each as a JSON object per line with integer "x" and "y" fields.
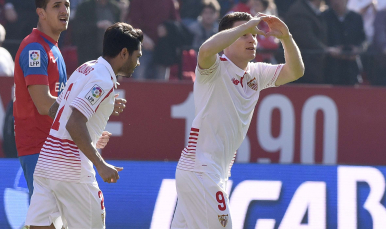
{"x": 293, "y": 68}
{"x": 220, "y": 41}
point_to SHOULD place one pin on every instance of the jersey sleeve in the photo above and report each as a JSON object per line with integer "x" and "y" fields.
{"x": 33, "y": 61}
{"x": 91, "y": 96}
{"x": 268, "y": 74}
{"x": 204, "y": 75}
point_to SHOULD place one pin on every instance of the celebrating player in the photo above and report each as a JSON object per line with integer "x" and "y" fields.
{"x": 64, "y": 177}
{"x": 226, "y": 91}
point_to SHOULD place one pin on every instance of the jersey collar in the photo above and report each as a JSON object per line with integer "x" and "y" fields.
{"x": 108, "y": 66}
{"x": 35, "y": 30}
{"x": 236, "y": 70}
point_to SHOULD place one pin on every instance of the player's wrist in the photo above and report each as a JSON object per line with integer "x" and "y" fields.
{"x": 286, "y": 37}
{"x": 99, "y": 162}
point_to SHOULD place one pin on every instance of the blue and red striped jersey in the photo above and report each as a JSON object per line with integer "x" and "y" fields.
{"x": 38, "y": 62}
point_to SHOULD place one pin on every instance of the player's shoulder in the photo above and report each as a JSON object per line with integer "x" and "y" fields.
{"x": 32, "y": 49}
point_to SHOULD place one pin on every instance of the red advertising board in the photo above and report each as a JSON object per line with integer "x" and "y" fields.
{"x": 291, "y": 124}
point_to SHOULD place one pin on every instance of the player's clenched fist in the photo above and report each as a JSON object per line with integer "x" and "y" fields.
{"x": 109, "y": 173}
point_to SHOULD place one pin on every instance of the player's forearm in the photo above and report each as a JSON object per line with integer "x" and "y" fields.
{"x": 44, "y": 106}
{"x": 221, "y": 40}
{"x": 76, "y": 127}
{"x": 41, "y": 97}
{"x": 53, "y": 109}
{"x": 293, "y": 57}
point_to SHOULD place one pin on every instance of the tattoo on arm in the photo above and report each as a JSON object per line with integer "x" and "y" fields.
{"x": 53, "y": 110}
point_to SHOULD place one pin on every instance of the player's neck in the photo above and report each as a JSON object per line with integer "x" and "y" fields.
{"x": 113, "y": 63}
{"x": 48, "y": 31}
{"x": 242, "y": 64}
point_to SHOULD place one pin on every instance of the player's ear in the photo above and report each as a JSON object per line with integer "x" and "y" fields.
{"x": 40, "y": 12}
{"x": 124, "y": 53}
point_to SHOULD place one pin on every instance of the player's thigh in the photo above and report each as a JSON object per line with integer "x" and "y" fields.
{"x": 82, "y": 204}
{"x": 203, "y": 203}
{"x": 43, "y": 210}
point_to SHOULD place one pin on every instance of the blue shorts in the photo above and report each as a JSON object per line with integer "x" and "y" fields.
{"x": 28, "y": 163}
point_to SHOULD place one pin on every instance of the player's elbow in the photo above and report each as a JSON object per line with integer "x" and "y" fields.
{"x": 298, "y": 72}
{"x": 205, "y": 50}
{"x": 70, "y": 125}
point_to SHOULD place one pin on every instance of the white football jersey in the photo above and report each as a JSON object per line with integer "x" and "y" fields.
{"x": 90, "y": 90}
{"x": 225, "y": 97}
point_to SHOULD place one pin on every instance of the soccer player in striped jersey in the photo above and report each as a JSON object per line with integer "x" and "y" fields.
{"x": 64, "y": 178}
{"x": 226, "y": 91}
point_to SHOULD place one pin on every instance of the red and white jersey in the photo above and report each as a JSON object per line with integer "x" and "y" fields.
{"x": 89, "y": 90}
{"x": 225, "y": 97}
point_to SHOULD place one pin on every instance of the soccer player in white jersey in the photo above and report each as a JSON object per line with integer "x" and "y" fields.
{"x": 64, "y": 177}
{"x": 226, "y": 91}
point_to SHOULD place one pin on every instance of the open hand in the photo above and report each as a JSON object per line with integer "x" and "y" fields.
{"x": 253, "y": 23}
{"x": 277, "y": 27}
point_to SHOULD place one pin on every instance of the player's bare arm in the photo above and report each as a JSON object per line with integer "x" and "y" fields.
{"x": 53, "y": 109}
{"x": 76, "y": 127}
{"x": 293, "y": 68}
{"x": 220, "y": 41}
{"x": 41, "y": 97}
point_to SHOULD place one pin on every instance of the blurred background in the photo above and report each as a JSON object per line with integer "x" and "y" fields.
{"x": 314, "y": 154}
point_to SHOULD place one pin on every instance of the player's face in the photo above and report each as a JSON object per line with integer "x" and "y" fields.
{"x": 58, "y": 14}
{"x": 244, "y": 48}
{"x": 131, "y": 63}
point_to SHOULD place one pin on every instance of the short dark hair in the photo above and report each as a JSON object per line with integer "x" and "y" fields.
{"x": 121, "y": 35}
{"x": 228, "y": 20}
{"x": 41, "y": 3}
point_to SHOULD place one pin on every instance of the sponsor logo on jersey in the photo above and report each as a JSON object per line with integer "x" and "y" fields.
{"x": 235, "y": 81}
{"x": 223, "y": 219}
{"x": 34, "y": 58}
{"x": 253, "y": 84}
{"x": 94, "y": 94}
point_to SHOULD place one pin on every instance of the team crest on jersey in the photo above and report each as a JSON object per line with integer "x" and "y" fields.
{"x": 34, "y": 58}
{"x": 223, "y": 219}
{"x": 94, "y": 94}
{"x": 253, "y": 84}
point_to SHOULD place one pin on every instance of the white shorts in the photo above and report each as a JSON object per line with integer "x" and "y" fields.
{"x": 202, "y": 202}
{"x": 80, "y": 205}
